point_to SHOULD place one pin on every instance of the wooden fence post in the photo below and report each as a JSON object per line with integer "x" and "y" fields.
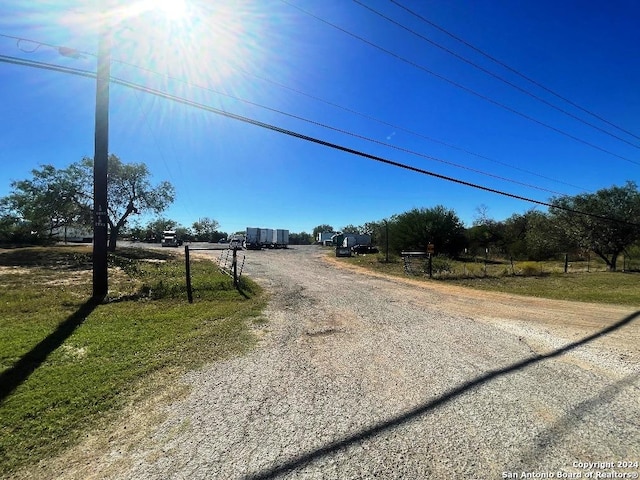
{"x": 235, "y": 267}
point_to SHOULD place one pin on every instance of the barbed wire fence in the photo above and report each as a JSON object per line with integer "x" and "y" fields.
{"x": 227, "y": 264}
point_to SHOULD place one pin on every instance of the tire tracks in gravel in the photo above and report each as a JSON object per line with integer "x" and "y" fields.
{"x": 364, "y": 376}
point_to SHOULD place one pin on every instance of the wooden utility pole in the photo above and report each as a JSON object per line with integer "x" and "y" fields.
{"x": 100, "y": 161}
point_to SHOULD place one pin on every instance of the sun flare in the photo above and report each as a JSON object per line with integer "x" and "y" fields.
{"x": 174, "y": 10}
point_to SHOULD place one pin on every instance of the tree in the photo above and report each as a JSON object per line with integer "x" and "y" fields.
{"x": 415, "y": 229}
{"x": 129, "y": 192}
{"x": 154, "y": 228}
{"x": 377, "y": 230}
{"x": 205, "y": 230}
{"x": 485, "y": 233}
{"x": 52, "y": 199}
{"x": 302, "y": 238}
{"x": 545, "y": 237}
{"x": 320, "y": 229}
{"x": 184, "y": 234}
{"x": 351, "y": 229}
{"x": 13, "y": 230}
{"x": 606, "y": 237}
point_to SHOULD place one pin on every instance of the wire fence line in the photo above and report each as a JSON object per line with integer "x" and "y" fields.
{"x": 440, "y": 266}
{"x": 227, "y": 263}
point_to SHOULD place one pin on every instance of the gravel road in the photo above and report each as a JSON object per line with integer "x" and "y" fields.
{"x": 360, "y": 376}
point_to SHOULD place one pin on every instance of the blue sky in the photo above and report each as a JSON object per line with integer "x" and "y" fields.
{"x": 275, "y": 55}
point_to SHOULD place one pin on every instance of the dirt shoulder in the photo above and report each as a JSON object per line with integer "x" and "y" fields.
{"x": 565, "y": 319}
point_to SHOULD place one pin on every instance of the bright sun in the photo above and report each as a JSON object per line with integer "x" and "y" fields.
{"x": 203, "y": 42}
{"x": 174, "y": 10}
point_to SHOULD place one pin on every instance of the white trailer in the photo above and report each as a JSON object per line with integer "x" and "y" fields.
{"x": 257, "y": 238}
{"x": 282, "y": 238}
{"x": 252, "y": 239}
{"x": 266, "y": 236}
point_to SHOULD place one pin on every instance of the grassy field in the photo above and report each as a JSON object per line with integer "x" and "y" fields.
{"x": 67, "y": 364}
{"x": 584, "y": 281}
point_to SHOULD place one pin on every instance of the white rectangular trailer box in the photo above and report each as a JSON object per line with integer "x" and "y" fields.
{"x": 253, "y": 238}
{"x": 282, "y": 238}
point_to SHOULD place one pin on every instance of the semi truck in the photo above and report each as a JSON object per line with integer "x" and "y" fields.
{"x": 170, "y": 239}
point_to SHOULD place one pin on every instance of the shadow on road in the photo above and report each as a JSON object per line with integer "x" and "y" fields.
{"x": 13, "y": 377}
{"x": 548, "y": 439}
{"x": 306, "y": 458}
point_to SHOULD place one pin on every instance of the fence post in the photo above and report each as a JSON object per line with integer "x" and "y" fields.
{"x": 486, "y": 258}
{"x": 188, "y": 273}
{"x": 566, "y": 262}
{"x": 430, "y": 267}
{"x": 386, "y": 237}
{"x": 235, "y": 266}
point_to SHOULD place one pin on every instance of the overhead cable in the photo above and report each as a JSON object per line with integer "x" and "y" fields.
{"x": 291, "y": 133}
{"x": 511, "y": 69}
{"x": 64, "y": 51}
{"x": 495, "y": 75}
{"x": 397, "y": 127}
{"x": 460, "y": 86}
{"x": 373, "y": 140}
{"x": 335, "y": 105}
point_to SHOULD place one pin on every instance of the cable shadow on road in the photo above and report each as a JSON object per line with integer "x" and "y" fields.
{"x": 13, "y": 377}
{"x": 306, "y": 458}
{"x": 550, "y": 437}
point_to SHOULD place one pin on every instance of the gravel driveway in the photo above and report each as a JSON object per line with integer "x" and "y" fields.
{"x": 360, "y": 376}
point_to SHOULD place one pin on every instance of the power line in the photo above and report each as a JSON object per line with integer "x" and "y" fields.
{"x": 403, "y": 129}
{"x": 335, "y": 105}
{"x": 396, "y": 147}
{"x": 291, "y": 133}
{"x": 460, "y": 86}
{"x": 372, "y": 140}
{"x": 494, "y": 75}
{"x": 64, "y": 51}
{"x": 511, "y": 69}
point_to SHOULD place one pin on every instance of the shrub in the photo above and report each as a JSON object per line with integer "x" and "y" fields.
{"x": 440, "y": 264}
{"x": 528, "y": 269}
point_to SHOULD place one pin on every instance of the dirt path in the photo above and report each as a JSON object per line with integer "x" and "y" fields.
{"x": 365, "y": 376}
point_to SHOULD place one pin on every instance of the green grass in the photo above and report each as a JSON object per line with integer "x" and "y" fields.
{"x": 89, "y": 368}
{"x": 540, "y": 279}
{"x": 599, "y": 287}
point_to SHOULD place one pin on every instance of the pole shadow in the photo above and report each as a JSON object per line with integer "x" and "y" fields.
{"x": 16, "y": 375}
{"x": 307, "y": 458}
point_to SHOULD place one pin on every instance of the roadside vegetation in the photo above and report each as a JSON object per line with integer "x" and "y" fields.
{"x": 585, "y": 281}
{"x": 586, "y": 247}
{"x": 68, "y": 365}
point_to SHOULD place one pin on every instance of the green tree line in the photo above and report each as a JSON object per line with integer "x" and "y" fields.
{"x": 605, "y": 223}
{"x": 611, "y": 228}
